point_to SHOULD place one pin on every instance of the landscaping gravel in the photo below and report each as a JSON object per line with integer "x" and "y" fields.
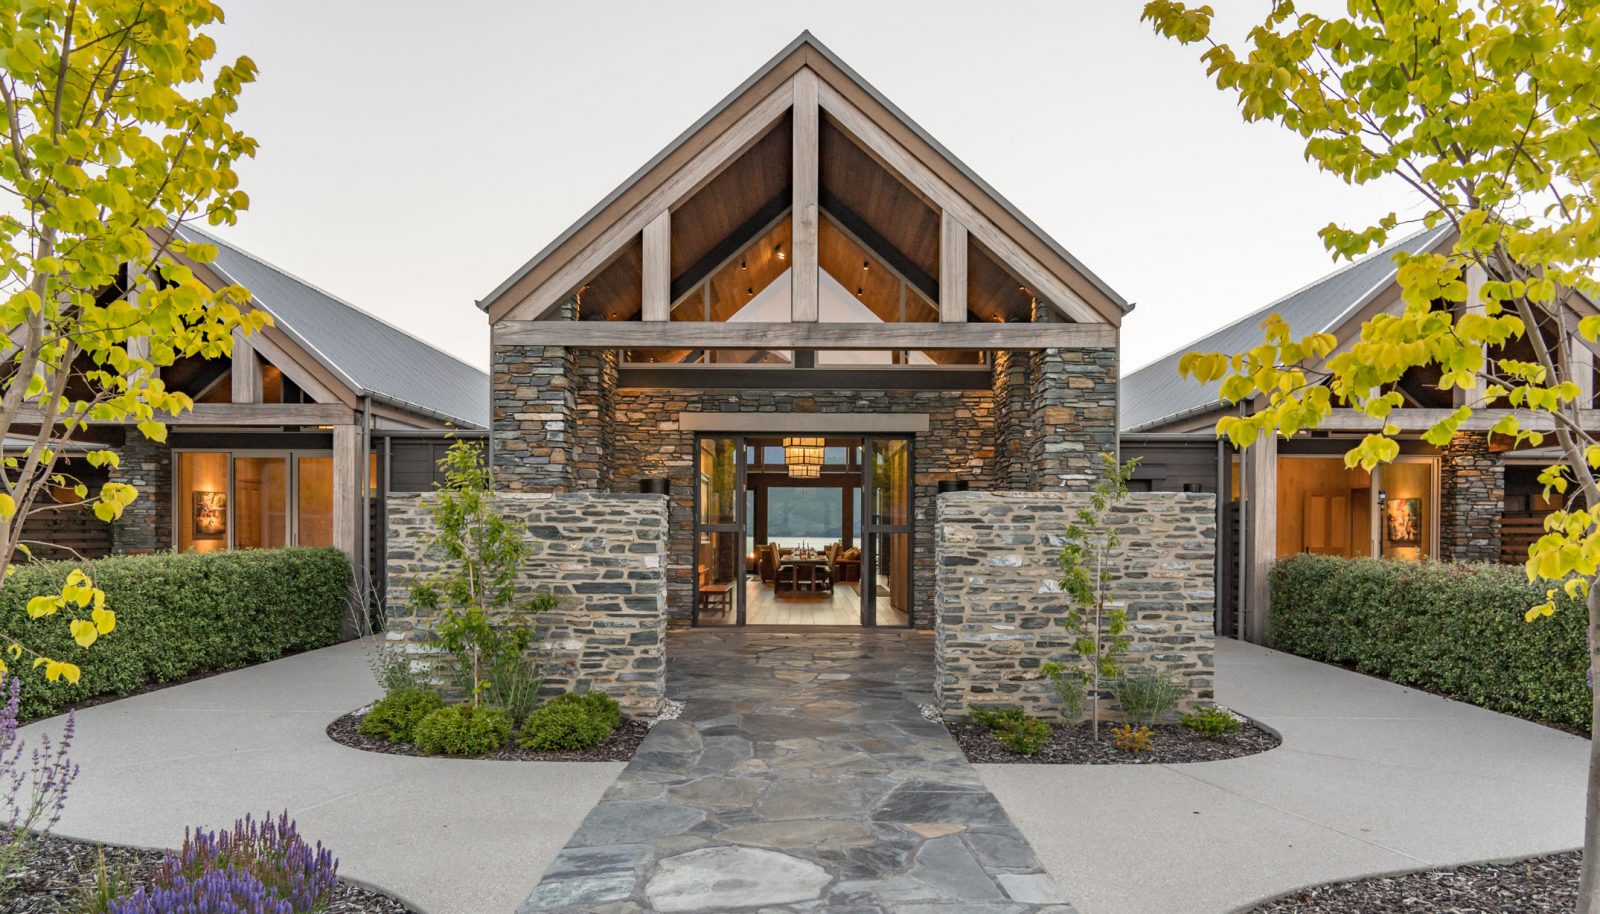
{"x": 1077, "y": 746}
{"x": 59, "y": 871}
{"x": 1534, "y": 886}
{"x": 618, "y": 747}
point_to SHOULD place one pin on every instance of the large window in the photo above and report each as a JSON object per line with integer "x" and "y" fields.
{"x": 1330, "y": 509}
{"x": 253, "y": 499}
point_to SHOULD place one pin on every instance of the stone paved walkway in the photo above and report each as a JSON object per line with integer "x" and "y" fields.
{"x": 801, "y": 777}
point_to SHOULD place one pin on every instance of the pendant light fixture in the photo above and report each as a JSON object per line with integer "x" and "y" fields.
{"x": 803, "y": 456}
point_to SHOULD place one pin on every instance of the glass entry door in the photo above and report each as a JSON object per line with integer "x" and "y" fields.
{"x": 719, "y": 559}
{"x": 802, "y": 530}
{"x": 886, "y": 532}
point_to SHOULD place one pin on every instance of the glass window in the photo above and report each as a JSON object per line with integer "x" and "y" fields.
{"x": 719, "y": 471}
{"x": 314, "y": 501}
{"x": 1323, "y": 507}
{"x": 202, "y": 509}
{"x": 891, "y": 483}
{"x": 260, "y": 502}
{"x": 1406, "y": 519}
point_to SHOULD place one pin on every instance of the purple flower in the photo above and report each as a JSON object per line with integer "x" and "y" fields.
{"x": 256, "y": 868}
{"x": 33, "y": 785}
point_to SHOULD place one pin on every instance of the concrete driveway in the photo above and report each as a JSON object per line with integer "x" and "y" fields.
{"x": 449, "y": 836}
{"x": 1371, "y": 778}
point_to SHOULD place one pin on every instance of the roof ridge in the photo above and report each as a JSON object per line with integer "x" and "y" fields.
{"x": 324, "y": 292}
{"x": 1333, "y": 274}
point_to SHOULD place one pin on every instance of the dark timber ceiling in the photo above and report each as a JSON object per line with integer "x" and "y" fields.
{"x": 874, "y": 204}
{"x": 722, "y": 216}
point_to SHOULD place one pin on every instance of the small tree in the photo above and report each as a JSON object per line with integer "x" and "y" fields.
{"x": 113, "y": 135}
{"x": 1088, "y": 565}
{"x": 481, "y": 620}
{"x": 1490, "y": 111}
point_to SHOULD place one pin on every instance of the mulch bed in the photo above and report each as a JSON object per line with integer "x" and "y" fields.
{"x": 1077, "y": 746}
{"x": 1534, "y": 886}
{"x": 59, "y": 871}
{"x": 618, "y": 747}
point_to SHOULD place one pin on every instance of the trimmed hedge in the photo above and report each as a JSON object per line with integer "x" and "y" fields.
{"x": 180, "y": 615}
{"x": 1452, "y": 629}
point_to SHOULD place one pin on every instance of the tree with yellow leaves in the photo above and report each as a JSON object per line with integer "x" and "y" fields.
{"x": 113, "y": 136}
{"x": 1490, "y": 111}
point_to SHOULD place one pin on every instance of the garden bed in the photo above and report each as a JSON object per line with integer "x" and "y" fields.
{"x": 59, "y": 871}
{"x": 1534, "y": 886}
{"x": 1075, "y": 745}
{"x": 618, "y": 747}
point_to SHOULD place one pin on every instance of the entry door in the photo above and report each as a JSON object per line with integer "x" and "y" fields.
{"x": 886, "y": 474}
{"x": 719, "y": 524}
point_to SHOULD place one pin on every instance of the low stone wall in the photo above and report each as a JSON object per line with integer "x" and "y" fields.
{"x": 603, "y": 556}
{"x": 999, "y": 607}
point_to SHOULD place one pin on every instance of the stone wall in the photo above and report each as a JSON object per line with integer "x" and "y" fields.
{"x": 145, "y": 525}
{"x": 999, "y": 606}
{"x": 602, "y": 555}
{"x": 533, "y": 406}
{"x": 562, "y": 424}
{"x": 1472, "y": 499}
{"x": 1073, "y": 399}
{"x": 1013, "y": 392}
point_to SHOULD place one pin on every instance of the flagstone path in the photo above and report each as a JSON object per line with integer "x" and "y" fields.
{"x": 801, "y": 777}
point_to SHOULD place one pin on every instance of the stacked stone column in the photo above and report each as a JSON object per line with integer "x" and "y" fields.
{"x": 145, "y": 525}
{"x": 1472, "y": 499}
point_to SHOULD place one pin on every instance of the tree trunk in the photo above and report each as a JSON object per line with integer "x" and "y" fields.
{"x": 1588, "y": 890}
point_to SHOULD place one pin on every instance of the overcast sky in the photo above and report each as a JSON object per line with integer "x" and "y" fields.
{"x": 414, "y": 154}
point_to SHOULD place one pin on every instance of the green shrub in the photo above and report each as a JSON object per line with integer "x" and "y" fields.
{"x": 1213, "y": 723}
{"x": 1147, "y": 696}
{"x": 571, "y": 722}
{"x": 1014, "y": 729}
{"x": 180, "y": 615}
{"x": 395, "y": 717}
{"x": 462, "y": 730}
{"x": 1452, "y": 629}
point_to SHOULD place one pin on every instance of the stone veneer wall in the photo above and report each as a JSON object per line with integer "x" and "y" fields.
{"x": 1073, "y": 398}
{"x": 1472, "y": 499}
{"x": 602, "y": 555}
{"x": 562, "y": 424}
{"x": 999, "y": 607}
{"x": 1013, "y": 390}
{"x": 145, "y": 525}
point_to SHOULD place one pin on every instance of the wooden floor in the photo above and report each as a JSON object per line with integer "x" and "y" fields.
{"x": 841, "y": 607}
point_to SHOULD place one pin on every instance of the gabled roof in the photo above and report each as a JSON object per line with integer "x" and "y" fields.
{"x": 1156, "y": 394}
{"x": 804, "y": 51}
{"x": 373, "y": 357}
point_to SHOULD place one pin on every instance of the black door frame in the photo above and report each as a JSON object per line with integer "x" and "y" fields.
{"x": 872, "y": 530}
{"x": 736, "y": 529}
{"x": 741, "y": 525}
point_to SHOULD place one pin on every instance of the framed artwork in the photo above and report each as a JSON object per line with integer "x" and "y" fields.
{"x": 1403, "y": 521}
{"x": 210, "y": 515}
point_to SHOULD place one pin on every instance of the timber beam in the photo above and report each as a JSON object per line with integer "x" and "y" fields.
{"x": 782, "y": 335}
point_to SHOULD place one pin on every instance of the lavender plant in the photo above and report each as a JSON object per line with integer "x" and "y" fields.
{"x": 33, "y": 785}
{"x": 256, "y": 868}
